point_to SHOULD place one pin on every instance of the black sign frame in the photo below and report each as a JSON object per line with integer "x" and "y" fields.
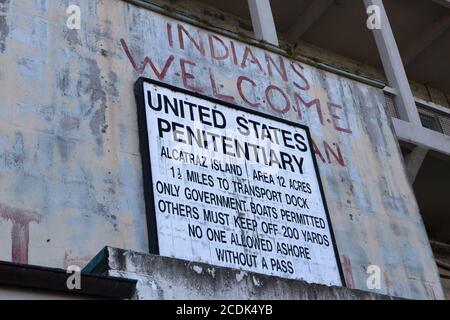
{"x": 146, "y": 159}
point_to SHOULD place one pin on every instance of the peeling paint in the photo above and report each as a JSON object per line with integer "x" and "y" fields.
{"x": 256, "y": 282}
{"x": 197, "y": 269}
{"x": 69, "y": 144}
{"x": 240, "y": 276}
{"x": 4, "y": 26}
{"x": 212, "y": 272}
{"x": 73, "y": 37}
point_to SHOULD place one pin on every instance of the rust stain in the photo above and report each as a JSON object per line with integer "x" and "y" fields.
{"x": 20, "y": 233}
{"x": 348, "y": 273}
{"x": 70, "y": 259}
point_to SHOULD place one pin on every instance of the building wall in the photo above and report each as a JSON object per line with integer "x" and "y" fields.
{"x": 70, "y": 172}
{"x": 213, "y": 18}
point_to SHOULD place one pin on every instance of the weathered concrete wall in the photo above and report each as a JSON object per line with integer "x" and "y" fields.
{"x": 212, "y": 17}
{"x": 70, "y": 172}
{"x": 197, "y": 281}
{"x": 69, "y": 164}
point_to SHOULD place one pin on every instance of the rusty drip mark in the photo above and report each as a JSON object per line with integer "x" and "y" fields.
{"x": 348, "y": 273}
{"x": 20, "y": 233}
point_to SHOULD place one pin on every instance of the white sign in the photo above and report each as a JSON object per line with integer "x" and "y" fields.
{"x": 230, "y": 187}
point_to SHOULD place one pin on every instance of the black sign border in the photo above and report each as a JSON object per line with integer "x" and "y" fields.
{"x": 146, "y": 160}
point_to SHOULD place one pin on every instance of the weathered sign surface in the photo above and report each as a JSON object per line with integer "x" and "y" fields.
{"x": 70, "y": 164}
{"x": 233, "y": 188}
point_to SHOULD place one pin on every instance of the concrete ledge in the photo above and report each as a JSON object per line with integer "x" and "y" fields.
{"x": 161, "y": 278}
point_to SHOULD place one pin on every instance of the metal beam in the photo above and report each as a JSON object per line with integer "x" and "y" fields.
{"x": 393, "y": 66}
{"x": 427, "y": 38}
{"x": 262, "y": 20}
{"x": 307, "y": 19}
{"x": 413, "y": 162}
{"x": 445, "y": 3}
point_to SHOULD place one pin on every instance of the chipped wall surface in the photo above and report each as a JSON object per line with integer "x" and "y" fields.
{"x": 70, "y": 168}
{"x": 197, "y": 281}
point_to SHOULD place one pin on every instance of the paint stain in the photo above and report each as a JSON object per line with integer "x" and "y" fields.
{"x": 20, "y": 233}
{"x": 348, "y": 273}
{"x": 65, "y": 147}
{"x": 72, "y": 37}
{"x": 68, "y": 123}
{"x": 64, "y": 81}
{"x": 98, "y": 125}
{"x": 4, "y": 27}
{"x": 95, "y": 83}
{"x": 90, "y": 84}
{"x": 112, "y": 82}
{"x": 70, "y": 259}
{"x": 16, "y": 157}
